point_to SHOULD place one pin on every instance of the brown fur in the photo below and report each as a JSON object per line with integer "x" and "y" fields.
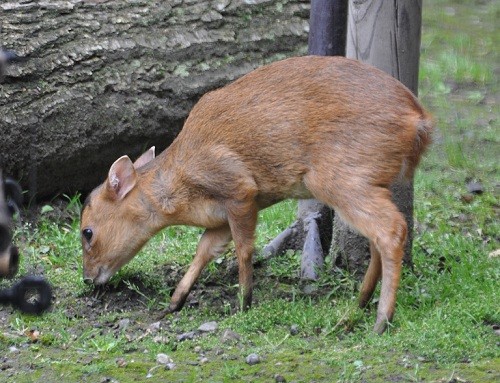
{"x": 328, "y": 128}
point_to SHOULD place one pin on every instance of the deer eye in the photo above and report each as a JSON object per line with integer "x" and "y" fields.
{"x": 87, "y": 234}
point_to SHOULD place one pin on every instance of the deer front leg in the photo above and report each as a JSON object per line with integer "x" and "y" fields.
{"x": 242, "y": 218}
{"x": 212, "y": 243}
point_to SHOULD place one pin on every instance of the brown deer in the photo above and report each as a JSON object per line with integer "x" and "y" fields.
{"x": 328, "y": 128}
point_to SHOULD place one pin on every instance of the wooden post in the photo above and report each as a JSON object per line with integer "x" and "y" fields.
{"x": 385, "y": 34}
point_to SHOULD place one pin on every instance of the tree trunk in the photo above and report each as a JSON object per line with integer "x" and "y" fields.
{"x": 385, "y": 34}
{"x": 103, "y": 78}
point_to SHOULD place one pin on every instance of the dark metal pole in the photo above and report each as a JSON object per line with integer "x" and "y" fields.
{"x": 327, "y": 37}
{"x": 328, "y": 27}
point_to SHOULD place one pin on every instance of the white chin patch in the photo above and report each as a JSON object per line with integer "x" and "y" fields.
{"x": 103, "y": 277}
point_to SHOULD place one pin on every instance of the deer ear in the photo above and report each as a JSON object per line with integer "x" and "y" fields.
{"x": 145, "y": 157}
{"x": 121, "y": 178}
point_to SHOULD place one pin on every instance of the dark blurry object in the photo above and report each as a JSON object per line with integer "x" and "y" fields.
{"x": 31, "y": 295}
{"x": 10, "y": 200}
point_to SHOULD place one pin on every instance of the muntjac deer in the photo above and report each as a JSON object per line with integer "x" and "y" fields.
{"x": 328, "y": 128}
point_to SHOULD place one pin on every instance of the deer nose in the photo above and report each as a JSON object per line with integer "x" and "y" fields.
{"x": 88, "y": 281}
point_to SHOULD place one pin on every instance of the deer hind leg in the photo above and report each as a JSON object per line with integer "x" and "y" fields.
{"x": 390, "y": 243}
{"x": 370, "y": 210}
{"x": 377, "y": 218}
{"x": 213, "y": 242}
{"x": 372, "y": 276}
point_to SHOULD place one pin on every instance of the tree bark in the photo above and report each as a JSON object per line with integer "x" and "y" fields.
{"x": 385, "y": 34}
{"x": 103, "y": 78}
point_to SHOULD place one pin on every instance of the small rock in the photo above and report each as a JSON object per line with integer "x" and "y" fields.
{"x": 197, "y": 349}
{"x": 185, "y": 336}
{"x": 229, "y": 336}
{"x": 154, "y": 327}
{"x": 14, "y": 349}
{"x": 108, "y": 380}
{"x": 496, "y": 329}
{"x": 208, "y": 327}
{"x": 475, "y": 187}
{"x": 170, "y": 366}
{"x": 161, "y": 339}
{"x": 163, "y": 359}
{"x": 204, "y": 360}
{"x": 121, "y": 362}
{"x": 279, "y": 378}
{"x": 253, "y": 359}
{"x": 123, "y": 324}
{"x": 494, "y": 254}
{"x": 422, "y": 359}
{"x": 294, "y": 329}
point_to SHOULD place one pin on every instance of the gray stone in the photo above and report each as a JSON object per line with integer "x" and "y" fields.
{"x": 163, "y": 359}
{"x": 154, "y": 327}
{"x": 185, "y": 336}
{"x": 208, "y": 327}
{"x": 170, "y": 366}
{"x": 253, "y": 359}
{"x": 475, "y": 187}
{"x": 229, "y": 336}
{"x": 123, "y": 324}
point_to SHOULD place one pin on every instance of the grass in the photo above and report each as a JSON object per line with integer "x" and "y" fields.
{"x": 446, "y": 306}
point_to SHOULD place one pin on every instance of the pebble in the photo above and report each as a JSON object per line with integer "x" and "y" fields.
{"x": 475, "y": 187}
{"x": 204, "y": 360}
{"x": 123, "y": 324}
{"x": 154, "y": 327}
{"x": 230, "y": 336}
{"x": 161, "y": 339}
{"x": 163, "y": 359}
{"x": 494, "y": 254}
{"x": 185, "y": 336}
{"x": 279, "y": 378}
{"x": 496, "y": 329}
{"x": 208, "y": 327}
{"x": 253, "y": 359}
{"x": 170, "y": 366}
{"x": 121, "y": 362}
{"x": 197, "y": 349}
{"x": 294, "y": 329}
